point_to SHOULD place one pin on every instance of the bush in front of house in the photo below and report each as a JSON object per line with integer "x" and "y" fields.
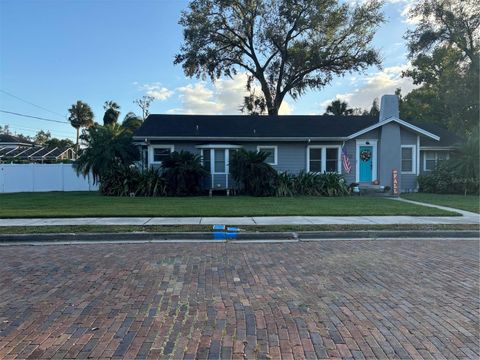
{"x": 446, "y": 179}
{"x": 255, "y": 176}
{"x": 311, "y": 184}
{"x": 119, "y": 181}
{"x": 183, "y": 173}
{"x": 458, "y": 175}
{"x": 130, "y": 181}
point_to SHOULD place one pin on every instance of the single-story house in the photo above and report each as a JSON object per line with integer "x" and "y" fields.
{"x": 371, "y": 151}
{"x": 14, "y": 149}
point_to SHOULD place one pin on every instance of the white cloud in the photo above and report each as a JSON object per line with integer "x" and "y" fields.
{"x": 376, "y": 85}
{"x": 156, "y": 90}
{"x": 225, "y": 96}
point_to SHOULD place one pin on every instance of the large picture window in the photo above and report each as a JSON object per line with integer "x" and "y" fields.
{"x": 323, "y": 159}
{"x": 408, "y": 159}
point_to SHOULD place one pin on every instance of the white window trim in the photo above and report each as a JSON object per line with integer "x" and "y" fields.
{"x": 323, "y": 159}
{"x": 436, "y": 158}
{"x": 275, "y": 152}
{"x": 151, "y": 152}
{"x": 414, "y": 159}
{"x": 373, "y": 144}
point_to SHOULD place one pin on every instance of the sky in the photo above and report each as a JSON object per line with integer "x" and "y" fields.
{"x": 55, "y": 52}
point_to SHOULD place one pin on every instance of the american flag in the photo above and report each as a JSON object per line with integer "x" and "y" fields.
{"x": 346, "y": 161}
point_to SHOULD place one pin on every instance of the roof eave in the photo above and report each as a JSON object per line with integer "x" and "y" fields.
{"x": 399, "y": 121}
{"x": 234, "y": 138}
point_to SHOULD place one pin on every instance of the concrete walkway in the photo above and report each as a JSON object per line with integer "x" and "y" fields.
{"x": 466, "y": 218}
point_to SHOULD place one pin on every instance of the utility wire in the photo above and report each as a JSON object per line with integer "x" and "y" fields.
{"x": 30, "y": 103}
{"x": 34, "y": 117}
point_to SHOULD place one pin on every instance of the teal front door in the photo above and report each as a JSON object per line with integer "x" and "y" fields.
{"x": 366, "y": 163}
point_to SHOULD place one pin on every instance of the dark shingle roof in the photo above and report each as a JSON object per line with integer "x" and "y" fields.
{"x": 285, "y": 126}
{"x": 244, "y": 126}
{"x": 447, "y": 138}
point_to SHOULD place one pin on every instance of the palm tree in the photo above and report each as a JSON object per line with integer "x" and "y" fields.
{"x": 111, "y": 112}
{"x": 132, "y": 122}
{"x": 339, "y": 107}
{"x": 81, "y": 116}
{"x": 108, "y": 147}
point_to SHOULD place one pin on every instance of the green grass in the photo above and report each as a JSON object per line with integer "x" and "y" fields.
{"x": 468, "y": 203}
{"x": 208, "y": 228}
{"x": 85, "y": 204}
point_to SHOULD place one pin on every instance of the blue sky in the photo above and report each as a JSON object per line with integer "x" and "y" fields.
{"x": 54, "y": 52}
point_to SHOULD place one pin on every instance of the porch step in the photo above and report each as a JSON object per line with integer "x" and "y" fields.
{"x": 374, "y": 190}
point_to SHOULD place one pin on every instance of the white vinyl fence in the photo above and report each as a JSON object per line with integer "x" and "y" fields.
{"x": 42, "y": 177}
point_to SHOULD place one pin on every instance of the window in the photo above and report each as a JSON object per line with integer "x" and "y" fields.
{"x": 220, "y": 161}
{"x": 323, "y": 159}
{"x": 160, "y": 152}
{"x": 207, "y": 162}
{"x": 408, "y": 159}
{"x": 332, "y": 160}
{"x": 315, "y": 160}
{"x": 432, "y": 159}
{"x": 272, "y": 154}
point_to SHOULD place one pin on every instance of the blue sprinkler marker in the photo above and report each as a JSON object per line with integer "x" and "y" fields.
{"x": 218, "y": 232}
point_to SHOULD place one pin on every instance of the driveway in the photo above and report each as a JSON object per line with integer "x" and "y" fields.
{"x": 350, "y": 299}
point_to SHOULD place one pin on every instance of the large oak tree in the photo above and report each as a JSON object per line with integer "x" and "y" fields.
{"x": 286, "y": 46}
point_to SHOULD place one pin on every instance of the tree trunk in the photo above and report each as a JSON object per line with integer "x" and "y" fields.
{"x": 272, "y": 111}
{"x": 78, "y": 135}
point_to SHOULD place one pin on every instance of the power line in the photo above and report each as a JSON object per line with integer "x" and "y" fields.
{"x": 34, "y": 117}
{"x": 30, "y": 103}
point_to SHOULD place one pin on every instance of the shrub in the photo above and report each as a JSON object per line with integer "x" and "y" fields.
{"x": 183, "y": 173}
{"x": 285, "y": 185}
{"x": 151, "y": 183}
{"x": 311, "y": 184}
{"x": 119, "y": 181}
{"x": 459, "y": 175}
{"x": 446, "y": 179}
{"x": 128, "y": 180}
{"x": 249, "y": 169}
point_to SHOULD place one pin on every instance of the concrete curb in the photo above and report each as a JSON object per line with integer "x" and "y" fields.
{"x": 235, "y": 237}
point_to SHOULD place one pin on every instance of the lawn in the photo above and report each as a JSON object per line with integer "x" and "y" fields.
{"x": 468, "y": 203}
{"x": 88, "y": 204}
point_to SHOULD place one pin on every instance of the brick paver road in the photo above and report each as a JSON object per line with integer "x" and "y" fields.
{"x": 340, "y": 299}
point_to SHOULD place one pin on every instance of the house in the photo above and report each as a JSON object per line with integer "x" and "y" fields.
{"x": 378, "y": 148}
{"x": 14, "y": 149}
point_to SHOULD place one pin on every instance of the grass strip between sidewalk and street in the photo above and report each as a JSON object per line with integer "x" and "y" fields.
{"x": 207, "y": 228}
{"x": 463, "y": 202}
{"x": 92, "y": 204}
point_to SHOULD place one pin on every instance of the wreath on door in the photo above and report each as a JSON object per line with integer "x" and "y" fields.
{"x": 365, "y": 155}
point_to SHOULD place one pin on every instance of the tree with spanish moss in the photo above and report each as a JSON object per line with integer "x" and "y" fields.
{"x": 285, "y": 46}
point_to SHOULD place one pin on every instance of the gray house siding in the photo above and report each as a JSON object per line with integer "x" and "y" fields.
{"x": 292, "y": 156}
{"x": 409, "y": 181}
{"x": 350, "y": 149}
{"x": 389, "y": 154}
